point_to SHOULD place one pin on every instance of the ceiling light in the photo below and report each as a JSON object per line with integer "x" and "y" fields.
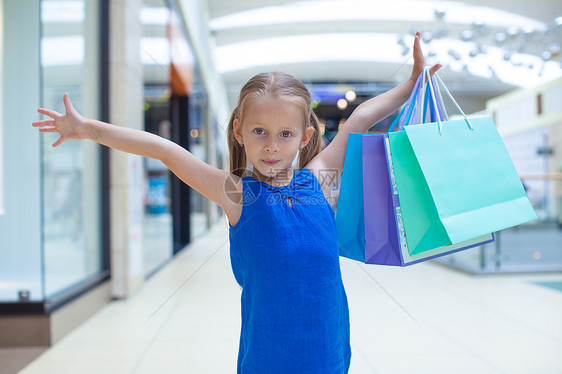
{"x": 350, "y": 96}
{"x": 554, "y": 49}
{"x": 62, "y": 11}
{"x": 439, "y": 13}
{"x": 151, "y": 15}
{"x": 342, "y": 104}
{"x": 427, "y": 36}
{"x": 454, "y": 54}
{"x": 155, "y": 51}
{"x": 62, "y": 50}
{"x": 422, "y": 11}
{"x": 441, "y": 31}
{"x": 467, "y": 35}
{"x": 276, "y": 53}
{"x": 500, "y": 37}
{"x": 528, "y": 32}
{"x": 512, "y": 32}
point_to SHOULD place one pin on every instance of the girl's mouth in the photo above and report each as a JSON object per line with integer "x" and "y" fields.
{"x": 270, "y": 162}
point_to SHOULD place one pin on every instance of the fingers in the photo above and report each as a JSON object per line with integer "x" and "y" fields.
{"x": 48, "y": 129}
{"x": 417, "y": 42}
{"x": 58, "y": 142}
{"x": 48, "y": 112}
{"x": 67, "y": 104}
{"x": 434, "y": 69}
{"x": 44, "y": 122}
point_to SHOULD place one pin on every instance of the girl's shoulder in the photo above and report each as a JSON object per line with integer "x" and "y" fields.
{"x": 234, "y": 189}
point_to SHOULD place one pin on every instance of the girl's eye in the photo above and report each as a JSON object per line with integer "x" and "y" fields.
{"x": 286, "y": 134}
{"x": 259, "y": 131}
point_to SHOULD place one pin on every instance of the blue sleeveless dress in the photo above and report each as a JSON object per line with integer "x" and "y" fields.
{"x": 295, "y": 317}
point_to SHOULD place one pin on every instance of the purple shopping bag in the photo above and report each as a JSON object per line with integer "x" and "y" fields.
{"x": 381, "y": 236}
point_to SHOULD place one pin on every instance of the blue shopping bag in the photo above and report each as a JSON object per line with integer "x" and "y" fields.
{"x": 350, "y": 225}
{"x": 350, "y": 222}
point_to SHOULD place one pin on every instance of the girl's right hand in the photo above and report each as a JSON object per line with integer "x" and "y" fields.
{"x": 70, "y": 125}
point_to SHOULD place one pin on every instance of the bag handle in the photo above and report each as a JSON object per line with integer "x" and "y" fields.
{"x": 439, "y": 125}
{"x": 440, "y": 102}
{"x": 409, "y": 107}
{"x": 424, "y": 101}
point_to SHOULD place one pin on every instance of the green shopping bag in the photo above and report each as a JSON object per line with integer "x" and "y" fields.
{"x": 456, "y": 182}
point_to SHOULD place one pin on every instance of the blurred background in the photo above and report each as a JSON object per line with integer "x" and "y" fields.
{"x": 84, "y": 222}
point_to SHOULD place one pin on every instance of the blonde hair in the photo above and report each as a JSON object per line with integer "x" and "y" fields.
{"x": 283, "y": 86}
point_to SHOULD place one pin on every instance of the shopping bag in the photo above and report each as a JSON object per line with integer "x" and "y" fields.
{"x": 381, "y": 244}
{"x": 350, "y": 223}
{"x": 368, "y": 220}
{"x": 409, "y": 256}
{"x": 455, "y": 181}
{"x": 368, "y": 215}
{"x": 350, "y": 226}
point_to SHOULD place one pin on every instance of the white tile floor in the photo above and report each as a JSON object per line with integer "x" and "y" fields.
{"x": 421, "y": 319}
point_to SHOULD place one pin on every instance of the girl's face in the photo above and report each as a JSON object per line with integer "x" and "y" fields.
{"x": 272, "y": 131}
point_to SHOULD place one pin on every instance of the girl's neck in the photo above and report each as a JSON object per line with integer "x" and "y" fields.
{"x": 282, "y": 178}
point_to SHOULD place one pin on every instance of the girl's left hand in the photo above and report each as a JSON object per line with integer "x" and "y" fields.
{"x": 70, "y": 125}
{"x": 419, "y": 60}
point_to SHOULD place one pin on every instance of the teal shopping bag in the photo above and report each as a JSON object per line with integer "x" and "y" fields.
{"x": 469, "y": 180}
{"x": 423, "y": 229}
{"x": 456, "y": 181}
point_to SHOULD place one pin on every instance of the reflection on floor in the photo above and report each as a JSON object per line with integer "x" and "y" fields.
{"x": 553, "y": 285}
{"x": 426, "y": 318}
{"x": 157, "y": 240}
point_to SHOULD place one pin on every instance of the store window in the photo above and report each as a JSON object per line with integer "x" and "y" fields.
{"x": 72, "y": 231}
{"x": 1, "y": 119}
{"x": 20, "y": 222}
{"x": 155, "y": 57}
{"x": 198, "y": 146}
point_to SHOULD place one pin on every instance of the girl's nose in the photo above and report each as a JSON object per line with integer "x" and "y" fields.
{"x": 271, "y": 146}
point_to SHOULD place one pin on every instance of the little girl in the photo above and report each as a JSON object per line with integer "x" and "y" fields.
{"x": 283, "y": 246}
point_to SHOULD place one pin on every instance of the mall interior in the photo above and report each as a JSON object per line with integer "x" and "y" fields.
{"x": 110, "y": 264}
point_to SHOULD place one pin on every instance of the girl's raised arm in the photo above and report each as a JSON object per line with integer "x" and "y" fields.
{"x": 369, "y": 113}
{"x": 204, "y": 178}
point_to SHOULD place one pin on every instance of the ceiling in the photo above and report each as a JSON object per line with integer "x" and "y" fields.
{"x": 368, "y": 41}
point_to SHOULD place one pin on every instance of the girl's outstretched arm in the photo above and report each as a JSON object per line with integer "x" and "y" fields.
{"x": 206, "y": 179}
{"x": 369, "y": 113}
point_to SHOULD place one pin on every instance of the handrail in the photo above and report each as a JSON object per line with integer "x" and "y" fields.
{"x": 549, "y": 176}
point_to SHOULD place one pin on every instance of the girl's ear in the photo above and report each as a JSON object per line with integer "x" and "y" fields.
{"x": 308, "y": 132}
{"x": 237, "y": 130}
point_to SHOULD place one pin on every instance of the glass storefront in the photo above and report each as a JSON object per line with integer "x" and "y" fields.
{"x": 54, "y": 202}
{"x": 50, "y": 227}
{"x": 71, "y": 173}
{"x": 154, "y": 52}
{"x": 175, "y": 108}
{"x": 21, "y": 275}
{"x": 198, "y": 144}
